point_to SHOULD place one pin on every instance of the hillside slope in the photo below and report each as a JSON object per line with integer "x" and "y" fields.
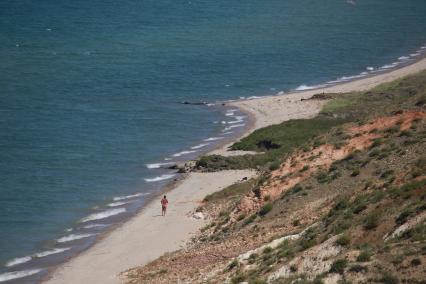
{"x": 340, "y": 198}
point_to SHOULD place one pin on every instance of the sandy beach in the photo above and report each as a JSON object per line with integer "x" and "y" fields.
{"x": 147, "y": 236}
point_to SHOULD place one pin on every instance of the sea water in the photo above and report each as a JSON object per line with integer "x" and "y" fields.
{"x": 91, "y": 96}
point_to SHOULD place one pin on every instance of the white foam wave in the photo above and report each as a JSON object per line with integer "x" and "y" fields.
{"x": 254, "y": 97}
{"x": 183, "y": 153}
{"x": 230, "y": 114}
{"x": 95, "y": 226}
{"x": 118, "y": 203}
{"x": 235, "y": 121}
{"x": 18, "y": 274}
{"x": 423, "y": 47}
{"x": 200, "y": 146}
{"x": 159, "y": 178}
{"x": 103, "y": 214}
{"x": 388, "y": 66}
{"x": 234, "y": 126}
{"x": 118, "y": 198}
{"x": 18, "y": 260}
{"x": 50, "y": 252}
{"x": 304, "y": 88}
{"x": 213, "y": 139}
{"x": 369, "y": 68}
{"x": 223, "y": 122}
{"x": 167, "y": 159}
{"x": 348, "y": 78}
{"x": 414, "y": 54}
{"x": 403, "y": 58}
{"x": 228, "y": 132}
{"x": 158, "y": 165}
{"x": 73, "y": 237}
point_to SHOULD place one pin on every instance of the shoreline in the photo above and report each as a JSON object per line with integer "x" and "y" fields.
{"x": 261, "y": 112}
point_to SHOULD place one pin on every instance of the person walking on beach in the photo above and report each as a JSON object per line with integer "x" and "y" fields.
{"x": 164, "y": 203}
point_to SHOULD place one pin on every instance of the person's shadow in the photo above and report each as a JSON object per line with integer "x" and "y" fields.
{"x": 158, "y": 215}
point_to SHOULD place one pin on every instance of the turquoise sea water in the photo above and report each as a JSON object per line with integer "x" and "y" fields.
{"x": 90, "y": 92}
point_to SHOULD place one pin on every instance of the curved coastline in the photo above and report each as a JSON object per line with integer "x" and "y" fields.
{"x": 261, "y": 112}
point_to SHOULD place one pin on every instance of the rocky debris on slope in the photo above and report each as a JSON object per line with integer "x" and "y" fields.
{"x": 406, "y": 226}
{"x": 311, "y": 262}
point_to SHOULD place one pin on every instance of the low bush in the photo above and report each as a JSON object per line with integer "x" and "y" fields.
{"x": 344, "y": 240}
{"x": 388, "y": 278}
{"x": 358, "y": 268}
{"x": 250, "y": 219}
{"x": 233, "y": 264}
{"x": 371, "y": 221}
{"x": 338, "y": 266}
{"x": 265, "y": 209}
{"x": 364, "y": 256}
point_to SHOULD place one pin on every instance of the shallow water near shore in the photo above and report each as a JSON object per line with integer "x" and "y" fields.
{"x": 91, "y": 97}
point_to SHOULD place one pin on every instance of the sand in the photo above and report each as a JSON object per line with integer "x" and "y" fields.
{"x": 147, "y": 236}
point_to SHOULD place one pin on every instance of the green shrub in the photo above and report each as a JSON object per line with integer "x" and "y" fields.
{"x": 359, "y": 205}
{"x": 265, "y": 209}
{"x": 250, "y": 219}
{"x": 377, "y": 142}
{"x": 318, "y": 280}
{"x": 416, "y": 262}
{"x": 305, "y": 168}
{"x": 402, "y": 218}
{"x": 355, "y": 173}
{"x": 386, "y": 174}
{"x": 240, "y": 277}
{"x": 371, "y": 221}
{"x": 341, "y": 204}
{"x": 338, "y": 266}
{"x": 308, "y": 239}
{"x": 364, "y": 256}
{"x": 267, "y": 250}
{"x": 344, "y": 240}
{"x": 233, "y": 264}
{"x": 388, "y": 278}
{"x": 405, "y": 133}
{"x": 252, "y": 258}
{"x": 274, "y": 165}
{"x": 322, "y": 177}
{"x": 393, "y": 129}
{"x": 241, "y": 216}
{"x": 374, "y": 153}
{"x": 358, "y": 268}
